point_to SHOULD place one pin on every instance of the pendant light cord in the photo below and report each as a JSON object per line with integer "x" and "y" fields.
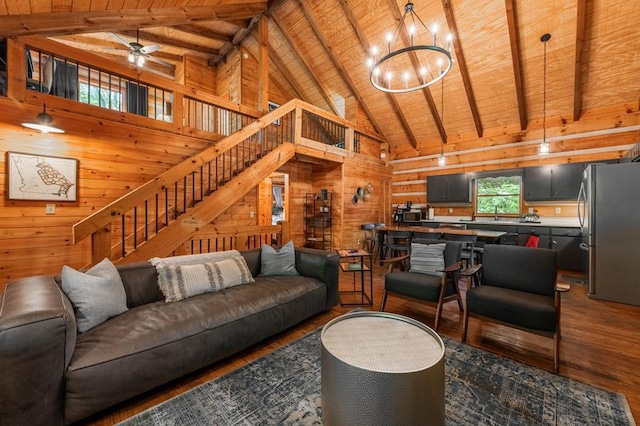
{"x": 544, "y": 95}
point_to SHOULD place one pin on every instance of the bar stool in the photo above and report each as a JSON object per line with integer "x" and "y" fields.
{"x": 369, "y": 240}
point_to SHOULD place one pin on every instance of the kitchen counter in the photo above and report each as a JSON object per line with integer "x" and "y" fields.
{"x": 562, "y": 222}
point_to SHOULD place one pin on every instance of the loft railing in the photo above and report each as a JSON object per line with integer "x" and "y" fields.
{"x": 211, "y": 239}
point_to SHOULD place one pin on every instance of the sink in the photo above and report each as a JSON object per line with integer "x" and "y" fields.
{"x": 492, "y": 221}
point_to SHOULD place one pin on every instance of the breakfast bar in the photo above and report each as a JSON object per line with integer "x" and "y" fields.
{"x": 487, "y": 235}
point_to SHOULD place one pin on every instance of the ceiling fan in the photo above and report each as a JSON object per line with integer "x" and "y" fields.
{"x": 139, "y": 53}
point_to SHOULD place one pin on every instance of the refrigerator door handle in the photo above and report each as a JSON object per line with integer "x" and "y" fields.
{"x": 582, "y": 201}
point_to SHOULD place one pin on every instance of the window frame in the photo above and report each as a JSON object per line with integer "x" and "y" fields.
{"x": 499, "y": 173}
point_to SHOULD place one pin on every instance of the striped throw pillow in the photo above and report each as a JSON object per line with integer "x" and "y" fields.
{"x": 183, "y": 281}
{"x": 427, "y": 258}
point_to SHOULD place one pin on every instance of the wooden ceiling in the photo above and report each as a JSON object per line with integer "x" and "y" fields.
{"x": 318, "y": 52}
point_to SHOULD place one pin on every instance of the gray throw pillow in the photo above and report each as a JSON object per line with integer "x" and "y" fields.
{"x": 278, "y": 262}
{"x": 96, "y": 295}
{"x": 427, "y": 258}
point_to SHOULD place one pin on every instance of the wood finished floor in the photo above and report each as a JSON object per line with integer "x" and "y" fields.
{"x": 600, "y": 345}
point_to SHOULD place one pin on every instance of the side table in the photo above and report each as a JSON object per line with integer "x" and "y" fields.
{"x": 381, "y": 369}
{"x": 354, "y": 261}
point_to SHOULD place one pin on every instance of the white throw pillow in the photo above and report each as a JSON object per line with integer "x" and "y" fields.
{"x": 183, "y": 281}
{"x": 96, "y": 295}
{"x": 427, "y": 258}
{"x": 278, "y": 262}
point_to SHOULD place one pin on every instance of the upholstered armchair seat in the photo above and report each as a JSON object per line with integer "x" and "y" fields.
{"x": 526, "y": 310}
{"x": 411, "y": 284}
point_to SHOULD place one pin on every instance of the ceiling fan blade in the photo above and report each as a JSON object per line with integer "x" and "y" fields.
{"x": 150, "y": 49}
{"x": 159, "y": 61}
{"x": 120, "y": 39}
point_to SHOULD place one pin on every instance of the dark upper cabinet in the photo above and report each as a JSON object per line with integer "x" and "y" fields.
{"x": 453, "y": 188}
{"x": 559, "y": 182}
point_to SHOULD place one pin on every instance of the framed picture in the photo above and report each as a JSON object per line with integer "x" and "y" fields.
{"x": 272, "y": 106}
{"x": 40, "y": 177}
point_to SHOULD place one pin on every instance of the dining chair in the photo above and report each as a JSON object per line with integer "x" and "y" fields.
{"x": 469, "y": 255}
{"x": 397, "y": 243}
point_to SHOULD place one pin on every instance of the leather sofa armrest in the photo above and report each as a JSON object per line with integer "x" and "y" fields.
{"x": 323, "y": 265}
{"x": 37, "y": 338}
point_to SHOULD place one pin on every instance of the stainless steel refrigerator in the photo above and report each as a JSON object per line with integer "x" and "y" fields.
{"x": 609, "y": 213}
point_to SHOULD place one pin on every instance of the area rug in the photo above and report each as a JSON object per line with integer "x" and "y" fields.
{"x": 283, "y": 388}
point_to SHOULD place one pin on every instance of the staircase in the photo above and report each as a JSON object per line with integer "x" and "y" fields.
{"x": 159, "y": 216}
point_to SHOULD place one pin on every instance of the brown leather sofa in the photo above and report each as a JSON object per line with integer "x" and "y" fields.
{"x": 50, "y": 375}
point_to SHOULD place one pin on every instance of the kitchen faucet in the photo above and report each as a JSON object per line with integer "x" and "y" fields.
{"x": 495, "y": 214}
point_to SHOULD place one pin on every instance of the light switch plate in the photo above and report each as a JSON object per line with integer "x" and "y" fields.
{"x": 50, "y": 209}
{"x": 558, "y": 210}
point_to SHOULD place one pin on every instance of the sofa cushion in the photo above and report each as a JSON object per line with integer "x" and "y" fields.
{"x": 427, "y": 258}
{"x": 183, "y": 281}
{"x": 278, "y": 262}
{"x": 97, "y": 294}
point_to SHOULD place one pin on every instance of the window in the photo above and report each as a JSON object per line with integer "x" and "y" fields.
{"x": 105, "y": 98}
{"x": 501, "y": 192}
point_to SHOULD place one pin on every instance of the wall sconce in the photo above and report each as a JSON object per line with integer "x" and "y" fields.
{"x": 43, "y": 123}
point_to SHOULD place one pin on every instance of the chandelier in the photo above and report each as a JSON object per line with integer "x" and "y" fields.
{"x": 404, "y": 69}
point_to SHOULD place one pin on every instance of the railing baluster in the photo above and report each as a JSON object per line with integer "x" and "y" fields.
{"x": 123, "y": 241}
{"x": 135, "y": 227}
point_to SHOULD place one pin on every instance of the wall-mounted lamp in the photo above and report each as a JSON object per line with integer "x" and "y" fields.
{"x": 43, "y": 123}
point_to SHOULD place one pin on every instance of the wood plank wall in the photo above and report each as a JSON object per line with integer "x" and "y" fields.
{"x": 115, "y": 157}
{"x": 602, "y": 134}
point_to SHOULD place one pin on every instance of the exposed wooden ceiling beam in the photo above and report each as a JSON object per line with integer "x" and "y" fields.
{"x": 60, "y": 23}
{"x": 515, "y": 59}
{"x": 581, "y": 18}
{"x": 462, "y": 64}
{"x": 243, "y": 33}
{"x": 306, "y": 10}
{"x": 203, "y": 32}
{"x": 154, "y": 38}
{"x": 306, "y": 64}
{"x": 397, "y": 15}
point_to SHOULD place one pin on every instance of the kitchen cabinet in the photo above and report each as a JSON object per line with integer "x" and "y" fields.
{"x": 566, "y": 241}
{"x": 454, "y": 188}
{"x": 551, "y": 183}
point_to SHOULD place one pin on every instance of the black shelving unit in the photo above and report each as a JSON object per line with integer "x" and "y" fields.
{"x": 317, "y": 221}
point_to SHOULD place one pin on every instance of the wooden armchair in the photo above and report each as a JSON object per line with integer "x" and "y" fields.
{"x": 429, "y": 273}
{"x": 517, "y": 286}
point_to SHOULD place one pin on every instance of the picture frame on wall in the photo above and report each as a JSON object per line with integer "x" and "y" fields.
{"x": 41, "y": 177}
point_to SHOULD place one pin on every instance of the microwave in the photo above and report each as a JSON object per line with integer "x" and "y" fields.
{"x": 412, "y": 216}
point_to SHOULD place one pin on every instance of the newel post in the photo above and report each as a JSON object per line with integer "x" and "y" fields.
{"x": 101, "y": 244}
{"x": 284, "y": 231}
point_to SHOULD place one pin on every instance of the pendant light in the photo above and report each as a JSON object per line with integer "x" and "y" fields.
{"x": 43, "y": 123}
{"x": 543, "y": 148}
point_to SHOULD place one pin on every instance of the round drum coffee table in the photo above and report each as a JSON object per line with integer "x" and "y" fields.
{"x": 381, "y": 369}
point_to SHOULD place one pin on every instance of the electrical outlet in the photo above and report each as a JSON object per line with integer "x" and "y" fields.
{"x": 558, "y": 210}
{"x": 251, "y": 213}
{"x": 450, "y": 209}
{"x": 50, "y": 209}
{"x": 359, "y": 241}
{"x": 530, "y": 210}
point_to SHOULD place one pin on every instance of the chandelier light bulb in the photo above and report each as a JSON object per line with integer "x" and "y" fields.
{"x": 442, "y": 160}
{"x": 543, "y": 148}
{"x": 140, "y": 60}
{"x": 131, "y": 58}
{"x": 374, "y": 51}
{"x": 370, "y": 63}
